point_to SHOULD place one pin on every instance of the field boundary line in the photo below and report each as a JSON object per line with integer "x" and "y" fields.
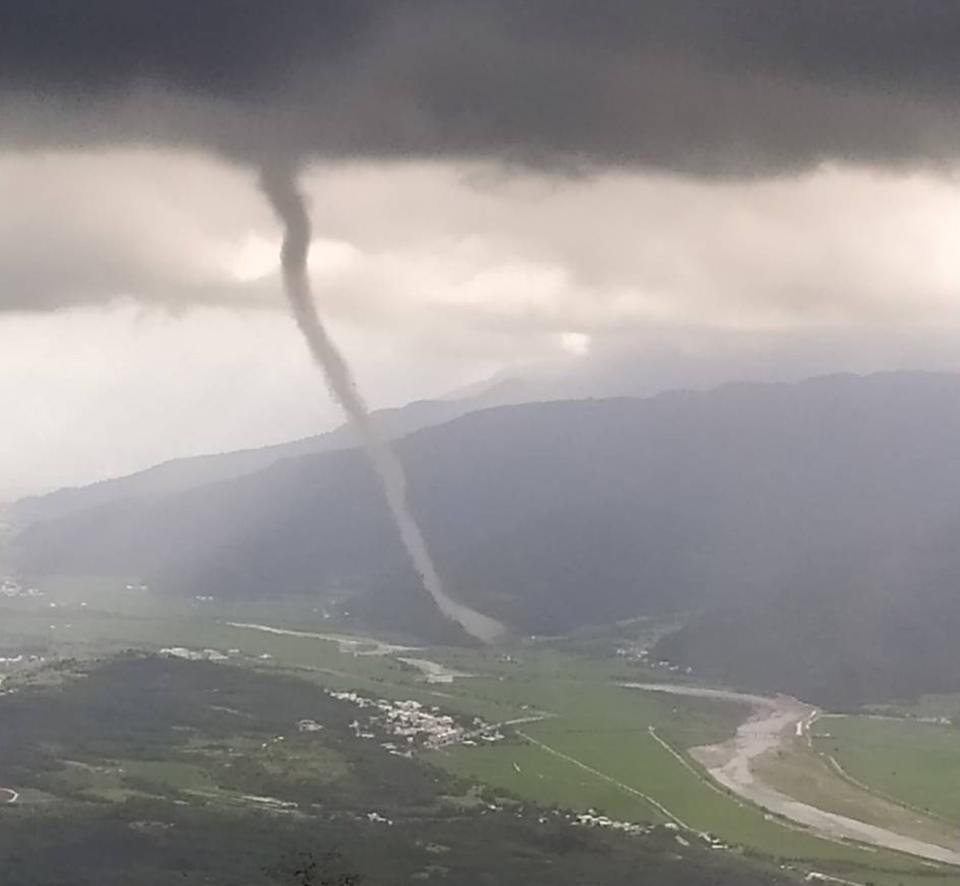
{"x": 608, "y": 778}
{"x": 702, "y": 777}
{"x": 775, "y": 818}
{"x": 532, "y": 719}
{"x": 874, "y": 792}
{"x": 780, "y": 820}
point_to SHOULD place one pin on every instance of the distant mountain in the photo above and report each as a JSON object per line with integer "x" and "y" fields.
{"x": 182, "y": 474}
{"x": 812, "y": 527}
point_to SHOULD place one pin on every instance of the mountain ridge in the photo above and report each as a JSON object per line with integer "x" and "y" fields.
{"x": 180, "y": 474}
{"x": 834, "y": 498}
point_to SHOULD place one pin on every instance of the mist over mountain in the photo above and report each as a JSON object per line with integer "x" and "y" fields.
{"x": 809, "y": 527}
{"x": 181, "y": 474}
{"x": 634, "y": 364}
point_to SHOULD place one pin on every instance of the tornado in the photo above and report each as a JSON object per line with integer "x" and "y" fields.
{"x": 280, "y": 187}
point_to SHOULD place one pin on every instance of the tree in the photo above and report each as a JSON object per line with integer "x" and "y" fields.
{"x": 327, "y": 871}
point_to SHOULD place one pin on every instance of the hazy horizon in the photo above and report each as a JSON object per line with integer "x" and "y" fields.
{"x": 589, "y": 635}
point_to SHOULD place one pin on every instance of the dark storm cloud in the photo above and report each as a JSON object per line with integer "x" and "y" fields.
{"x": 710, "y": 87}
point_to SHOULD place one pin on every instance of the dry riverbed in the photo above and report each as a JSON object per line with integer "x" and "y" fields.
{"x": 773, "y": 727}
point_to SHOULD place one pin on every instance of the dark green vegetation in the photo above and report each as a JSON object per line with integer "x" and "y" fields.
{"x": 203, "y": 737}
{"x": 915, "y": 763}
{"x": 157, "y": 771}
{"x": 811, "y": 525}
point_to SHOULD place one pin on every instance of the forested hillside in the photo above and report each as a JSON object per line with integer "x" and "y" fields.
{"x": 824, "y": 512}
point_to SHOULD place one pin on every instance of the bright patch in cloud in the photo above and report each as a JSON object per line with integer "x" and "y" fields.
{"x": 254, "y": 259}
{"x": 575, "y": 343}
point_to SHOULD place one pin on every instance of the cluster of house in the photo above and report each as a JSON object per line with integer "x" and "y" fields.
{"x": 639, "y": 655}
{"x": 709, "y": 839}
{"x": 20, "y": 658}
{"x": 633, "y": 652}
{"x": 307, "y": 725}
{"x": 415, "y": 724}
{"x": 10, "y": 587}
{"x": 195, "y": 654}
{"x": 202, "y": 654}
{"x": 371, "y": 817}
{"x": 592, "y": 819}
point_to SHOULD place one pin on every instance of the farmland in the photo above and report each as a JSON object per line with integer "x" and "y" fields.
{"x": 573, "y": 739}
{"x": 917, "y": 763}
{"x": 599, "y": 751}
{"x": 178, "y": 771}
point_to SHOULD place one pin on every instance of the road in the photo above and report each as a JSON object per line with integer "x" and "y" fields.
{"x": 629, "y": 789}
{"x": 345, "y": 642}
{"x": 774, "y": 721}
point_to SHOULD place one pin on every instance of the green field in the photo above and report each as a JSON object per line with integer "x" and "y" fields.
{"x": 581, "y": 742}
{"x": 799, "y": 771}
{"x": 154, "y": 770}
{"x": 914, "y": 762}
{"x": 598, "y": 753}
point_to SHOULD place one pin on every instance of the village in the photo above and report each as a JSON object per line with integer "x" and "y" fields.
{"x": 416, "y": 725}
{"x": 10, "y": 587}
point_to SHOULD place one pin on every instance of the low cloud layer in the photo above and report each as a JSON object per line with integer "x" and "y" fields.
{"x": 735, "y": 87}
{"x": 672, "y": 191}
{"x": 548, "y": 164}
{"x": 465, "y": 258}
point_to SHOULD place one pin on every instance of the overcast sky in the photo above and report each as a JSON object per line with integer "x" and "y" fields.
{"x": 696, "y": 190}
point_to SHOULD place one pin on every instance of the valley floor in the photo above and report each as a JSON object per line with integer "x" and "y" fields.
{"x": 569, "y": 727}
{"x": 771, "y": 731}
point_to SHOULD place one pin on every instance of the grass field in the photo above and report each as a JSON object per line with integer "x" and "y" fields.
{"x": 598, "y": 753}
{"x": 933, "y": 706}
{"x": 582, "y": 742}
{"x": 916, "y": 763}
{"x": 798, "y": 771}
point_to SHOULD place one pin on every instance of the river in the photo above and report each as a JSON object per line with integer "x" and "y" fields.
{"x": 773, "y": 721}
